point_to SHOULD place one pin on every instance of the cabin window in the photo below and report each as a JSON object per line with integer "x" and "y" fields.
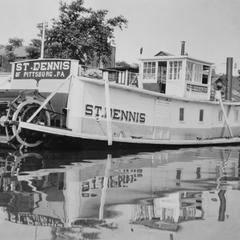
{"x": 122, "y": 77}
{"x": 113, "y": 77}
{"x": 181, "y": 114}
{"x": 198, "y": 172}
{"x": 201, "y": 112}
{"x": 220, "y": 115}
{"x": 132, "y": 79}
{"x": 178, "y": 176}
{"x": 175, "y": 68}
{"x": 149, "y": 70}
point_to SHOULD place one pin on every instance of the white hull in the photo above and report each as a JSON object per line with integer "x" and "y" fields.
{"x": 143, "y": 117}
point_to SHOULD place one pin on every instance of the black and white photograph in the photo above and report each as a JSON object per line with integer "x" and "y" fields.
{"x": 119, "y": 119}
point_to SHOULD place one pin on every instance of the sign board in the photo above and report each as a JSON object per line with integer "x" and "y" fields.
{"x": 42, "y": 69}
{"x": 196, "y": 88}
{"x": 43, "y": 74}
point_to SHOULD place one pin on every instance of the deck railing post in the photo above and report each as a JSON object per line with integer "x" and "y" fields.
{"x": 108, "y": 111}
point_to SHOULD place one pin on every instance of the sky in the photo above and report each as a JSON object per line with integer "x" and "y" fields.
{"x": 211, "y": 28}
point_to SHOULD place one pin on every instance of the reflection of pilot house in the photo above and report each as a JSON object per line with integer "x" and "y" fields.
{"x": 167, "y": 212}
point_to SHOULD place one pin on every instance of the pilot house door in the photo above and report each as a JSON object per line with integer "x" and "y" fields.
{"x": 161, "y": 76}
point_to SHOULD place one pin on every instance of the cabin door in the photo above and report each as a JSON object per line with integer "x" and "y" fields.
{"x": 161, "y": 76}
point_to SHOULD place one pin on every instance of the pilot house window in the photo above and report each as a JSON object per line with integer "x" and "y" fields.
{"x": 175, "y": 68}
{"x": 189, "y": 71}
{"x": 197, "y": 73}
{"x": 149, "y": 70}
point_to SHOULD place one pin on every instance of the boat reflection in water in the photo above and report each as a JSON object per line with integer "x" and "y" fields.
{"x": 169, "y": 194}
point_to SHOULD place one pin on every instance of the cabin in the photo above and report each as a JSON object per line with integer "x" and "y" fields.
{"x": 124, "y": 75}
{"x": 176, "y": 76}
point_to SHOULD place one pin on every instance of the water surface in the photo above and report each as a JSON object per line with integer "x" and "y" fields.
{"x": 170, "y": 194}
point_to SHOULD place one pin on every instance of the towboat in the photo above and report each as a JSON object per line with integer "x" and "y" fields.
{"x": 169, "y": 102}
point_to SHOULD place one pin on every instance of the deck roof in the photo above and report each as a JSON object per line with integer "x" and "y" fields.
{"x": 170, "y": 57}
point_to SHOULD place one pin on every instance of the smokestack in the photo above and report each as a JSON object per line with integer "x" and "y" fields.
{"x": 229, "y": 69}
{"x": 183, "y": 48}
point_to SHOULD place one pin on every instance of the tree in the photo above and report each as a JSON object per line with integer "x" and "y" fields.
{"x": 13, "y": 43}
{"x": 81, "y": 33}
{"x": 33, "y": 49}
{"x": 123, "y": 64}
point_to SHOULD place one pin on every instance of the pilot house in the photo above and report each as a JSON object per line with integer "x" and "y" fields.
{"x": 179, "y": 76}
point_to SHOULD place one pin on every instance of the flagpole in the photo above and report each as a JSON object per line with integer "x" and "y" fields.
{"x": 43, "y": 39}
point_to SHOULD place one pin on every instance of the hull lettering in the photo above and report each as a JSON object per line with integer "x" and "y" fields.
{"x": 116, "y": 114}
